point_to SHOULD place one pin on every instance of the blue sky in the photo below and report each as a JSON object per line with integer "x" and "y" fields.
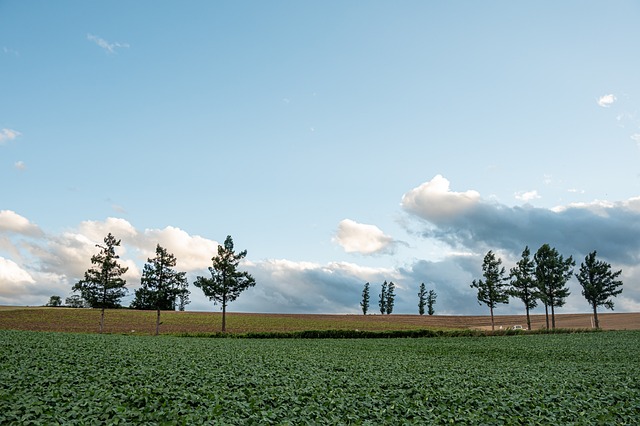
{"x": 339, "y": 142}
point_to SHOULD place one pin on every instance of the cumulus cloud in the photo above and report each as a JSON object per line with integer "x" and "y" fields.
{"x": 109, "y": 47}
{"x": 12, "y": 222}
{"x": 527, "y": 196}
{"x": 607, "y": 100}
{"x": 436, "y": 203}
{"x": 356, "y": 237}
{"x": 8, "y": 135}
{"x": 576, "y": 229}
{"x": 19, "y": 165}
{"x": 57, "y": 261}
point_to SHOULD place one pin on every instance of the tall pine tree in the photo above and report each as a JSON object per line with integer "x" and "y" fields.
{"x": 523, "y": 283}
{"x": 422, "y": 299}
{"x": 391, "y": 298}
{"x": 493, "y": 289}
{"x": 364, "y": 304}
{"x": 102, "y": 286}
{"x": 161, "y": 285}
{"x": 599, "y": 284}
{"x": 552, "y": 273}
{"x": 382, "y": 302}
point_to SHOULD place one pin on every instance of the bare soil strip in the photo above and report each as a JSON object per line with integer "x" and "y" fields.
{"x": 142, "y": 322}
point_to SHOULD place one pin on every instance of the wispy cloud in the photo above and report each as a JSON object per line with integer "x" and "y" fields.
{"x": 607, "y": 100}
{"x": 8, "y": 135}
{"x": 9, "y": 51}
{"x": 20, "y": 165}
{"x": 636, "y": 137}
{"x": 109, "y": 47}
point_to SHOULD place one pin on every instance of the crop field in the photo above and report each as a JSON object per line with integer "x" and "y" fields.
{"x": 63, "y": 378}
{"x": 143, "y": 322}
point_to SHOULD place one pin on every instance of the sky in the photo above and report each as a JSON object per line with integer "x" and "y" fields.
{"x": 338, "y": 142}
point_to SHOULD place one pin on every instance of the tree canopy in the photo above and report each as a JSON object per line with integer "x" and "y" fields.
{"x": 102, "y": 286}
{"x": 493, "y": 289}
{"x": 523, "y": 283}
{"x": 226, "y": 282}
{"x": 552, "y": 273}
{"x": 161, "y": 285}
{"x": 599, "y": 283}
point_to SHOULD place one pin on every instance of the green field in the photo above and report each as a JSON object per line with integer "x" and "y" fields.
{"x": 60, "y": 378}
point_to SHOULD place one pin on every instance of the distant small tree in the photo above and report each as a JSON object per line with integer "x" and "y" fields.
{"x": 598, "y": 283}
{"x": 161, "y": 285}
{"x": 391, "y": 297}
{"x": 431, "y": 301}
{"x": 382, "y": 303}
{"x": 75, "y": 301}
{"x": 493, "y": 289}
{"x": 422, "y": 299}
{"x": 102, "y": 286}
{"x": 523, "y": 283}
{"x": 54, "y": 301}
{"x": 226, "y": 282}
{"x": 552, "y": 273}
{"x": 364, "y": 304}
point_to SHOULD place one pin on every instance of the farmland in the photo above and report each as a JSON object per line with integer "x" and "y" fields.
{"x": 142, "y": 322}
{"x": 66, "y": 378}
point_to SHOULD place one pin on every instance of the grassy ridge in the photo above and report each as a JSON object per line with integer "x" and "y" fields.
{"x": 55, "y": 378}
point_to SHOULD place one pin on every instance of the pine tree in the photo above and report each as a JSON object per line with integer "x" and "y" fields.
{"x": 161, "y": 285}
{"x": 364, "y": 304}
{"x": 431, "y": 300}
{"x": 523, "y": 284}
{"x": 102, "y": 286}
{"x": 552, "y": 273}
{"x": 391, "y": 296}
{"x": 226, "y": 282}
{"x": 598, "y": 283}
{"x": 493, "y": 289}
{"x": 382, "y": 303}
{"x": 422, "y": 299}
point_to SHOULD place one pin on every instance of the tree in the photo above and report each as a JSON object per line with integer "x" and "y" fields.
{"x": 54, "y": 301}
{"x": 102, "y": 286}
{"x": 161, "y": 285}
{"x": 75, "y": 301}
{"x": 422, "y": 299}
{"x": 382, "y": 303}
{"x": 431, "y": 300}
{"x": 226, "y": 282}
{"x": 364, "y": 304}
{"x": 391, "y": 297}
{"x": 493, "y": 289}
{"x": 523, "y": 283}
{"x": 598, "y": 283}
{"x": 552, "y": 273}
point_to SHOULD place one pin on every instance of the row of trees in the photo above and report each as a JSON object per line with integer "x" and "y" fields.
{"x": 543, "y": 279}
{"x": 387, "y": 298}
{"x": 161, "y": 286}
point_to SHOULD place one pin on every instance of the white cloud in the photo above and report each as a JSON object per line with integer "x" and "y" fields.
{"x": 527, "y": 196}
{"x": 12, "y": 222}
{"x": 109, "y": 47}
{"x": 606, "y": 100}
{"x": 356, "y": 237}
{"x": 434, "y": 201}
{"x": 192, "y": 252}
{"x": 636, "y": 137}
{"x": 8, "y": 135}
{"x": 20, "y": 165}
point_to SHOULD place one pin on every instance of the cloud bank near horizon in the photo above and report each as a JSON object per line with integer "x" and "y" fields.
{"x": 37, "y": 264}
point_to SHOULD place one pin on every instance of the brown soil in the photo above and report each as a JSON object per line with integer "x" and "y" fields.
{"x": 143, "y": 322}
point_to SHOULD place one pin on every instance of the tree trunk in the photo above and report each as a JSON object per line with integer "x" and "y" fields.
{"x": 224, "y": 312}
{"x": 492, "y": 326}
{"x": 101, "y": 320}
{"x": 546, "y": 314}
{"x": 595, "y": 316}
{"x": 528, "y": 320}
{"x": 553, "y": 318}
{"x": 157, "y": 321}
